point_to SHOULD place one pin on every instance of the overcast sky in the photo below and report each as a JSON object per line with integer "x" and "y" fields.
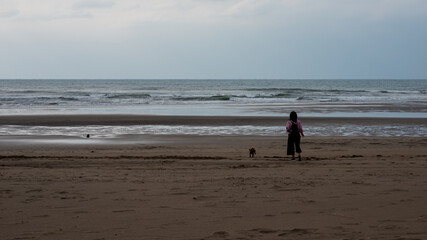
{"x": 202, "y": 39}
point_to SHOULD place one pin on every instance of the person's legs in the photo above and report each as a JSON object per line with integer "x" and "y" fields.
{"x": 291, "y": 143}
{"x": 297, "y": 146}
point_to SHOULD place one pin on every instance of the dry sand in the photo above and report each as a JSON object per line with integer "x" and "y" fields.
{"x": 196, "y": 187}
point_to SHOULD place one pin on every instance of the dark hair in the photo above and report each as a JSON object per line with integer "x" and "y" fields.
{"x": 293, "y": 116}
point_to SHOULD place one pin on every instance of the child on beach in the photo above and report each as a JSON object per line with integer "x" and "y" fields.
{"x": 294, "y": 129}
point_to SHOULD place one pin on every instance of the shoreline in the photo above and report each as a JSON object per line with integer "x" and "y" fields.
{"x": 9, "y": 143}
{"x": 128, "y": 119}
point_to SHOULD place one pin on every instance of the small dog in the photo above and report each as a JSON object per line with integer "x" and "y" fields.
{"x": 252, "y": 152}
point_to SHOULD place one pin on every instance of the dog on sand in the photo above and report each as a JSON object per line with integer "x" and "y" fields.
{"x": 252, "y": 152}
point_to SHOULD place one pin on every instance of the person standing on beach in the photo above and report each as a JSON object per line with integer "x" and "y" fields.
{"x": 294, "y": 129}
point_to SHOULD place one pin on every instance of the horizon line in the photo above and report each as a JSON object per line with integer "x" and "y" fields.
{"x": 225, "y": 79}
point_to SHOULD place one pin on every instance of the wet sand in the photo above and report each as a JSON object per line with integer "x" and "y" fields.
{"x": 124, "y": 120}
{"x": 207, "y": 187}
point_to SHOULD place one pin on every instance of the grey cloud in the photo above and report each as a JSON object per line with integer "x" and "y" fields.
{"x": 61, "y": 16}
{"x": 9, "y": 14}
{"x": 94, "y": 4}
{"x": 73, "y": 15}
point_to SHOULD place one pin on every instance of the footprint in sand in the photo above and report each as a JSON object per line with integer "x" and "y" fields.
{"x": 80, "y": 212}
{"x": 34, "y": 190}
{"x": 124, "y": 211}
{"x": 280, "y": 233}
{"x": 220, "y": 234}
{"x": 263, "y": 230}
{"x": 297, "y": 231}
{"x": 109, "y": 192}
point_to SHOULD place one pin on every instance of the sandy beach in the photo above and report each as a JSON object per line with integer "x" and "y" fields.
{"x": 207, "y": 187}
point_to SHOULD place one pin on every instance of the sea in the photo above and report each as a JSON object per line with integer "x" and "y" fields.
{"x": 310, "y": 98}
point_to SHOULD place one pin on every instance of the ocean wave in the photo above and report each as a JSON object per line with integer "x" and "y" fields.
{"x": 68, "y": 98}
{"x": 330, "y": 100}
{"x": 28, "y": 91}
{"x": 203, "y": 98}
{"x": 20, "y": 98}
{"x": 147, "y": 88}
{"x": 290, "y": 90}
{"x": 266, "y": 89}
{"x": 115, "y": 94}
{"x": 279, "y": 95}
{"x": 400, "y": 92}
{"x": 128, "y": 95}
{"x": 304, "y": 98}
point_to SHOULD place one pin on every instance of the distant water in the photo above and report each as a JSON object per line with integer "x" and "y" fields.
{"x": 341, "y": 98}
{"x": 321, "y": 98}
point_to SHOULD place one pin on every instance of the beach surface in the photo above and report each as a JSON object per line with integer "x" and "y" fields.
{"x": 207, "y": 187}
